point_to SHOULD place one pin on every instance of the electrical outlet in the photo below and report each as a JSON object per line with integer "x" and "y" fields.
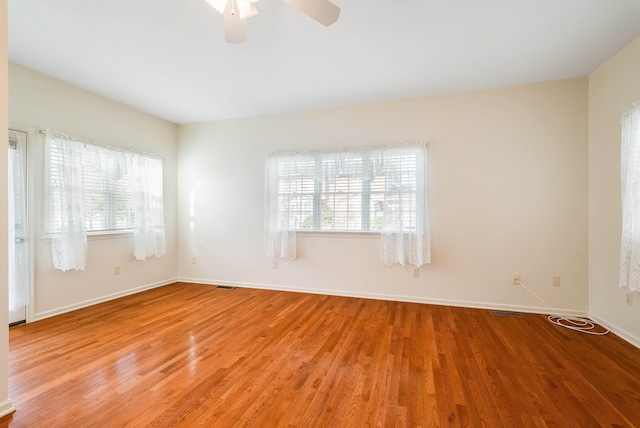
{"x": 116, "y": 270}
{"x": 194, "y": 260}
{"x": 416, "y": 272}
{"x": 629, "y": 299}
{"x": 516, "y": 279}
{"x": 555, "y": 281}
{"x": 274, "y": 264}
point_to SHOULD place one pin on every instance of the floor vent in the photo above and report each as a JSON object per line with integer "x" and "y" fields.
{"x": 225, "y": 287}
{"x": 506, "y": 314}
{"x": 13, "y": 324}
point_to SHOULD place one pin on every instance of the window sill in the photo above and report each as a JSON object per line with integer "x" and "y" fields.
{"x": 337, "y": 235}
{"x": 106, "y": 234}
{"x": 98, "y": 236}
{"x": 117, "y": 234}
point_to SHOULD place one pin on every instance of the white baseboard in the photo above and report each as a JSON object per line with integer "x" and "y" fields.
{"x": 392, "y": 297}
{"x": 101, "y": 299}
{"x": 6, "y": 407}
{"x": 625, "y": 335}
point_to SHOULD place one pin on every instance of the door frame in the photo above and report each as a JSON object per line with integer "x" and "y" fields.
{"x": 31, "y": 150}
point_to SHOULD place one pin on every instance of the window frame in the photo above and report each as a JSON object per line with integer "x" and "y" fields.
{"x": 111, "y": 197}
{"x": 365, "y": 193}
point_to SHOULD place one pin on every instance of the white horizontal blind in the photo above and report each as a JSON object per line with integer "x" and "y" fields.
{"x": 364, "y": 190}
{"x": 376, "y": 204}
{"x": 296, "y": 190}
{"x": 53, "y": 215}
{"x": 400, "y": 191}
{"x": 342, "y": 193}
{"x": 106, "y": 187}
{"x": 107, "y": 190}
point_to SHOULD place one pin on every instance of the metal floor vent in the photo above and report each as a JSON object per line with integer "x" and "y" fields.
{"x": 225, "y": 287}
{"x": 13, "y": 324}
{"x": 506, "y": 314}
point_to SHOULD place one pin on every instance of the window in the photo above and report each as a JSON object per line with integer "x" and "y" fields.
{"x": 379, "y": 189}
{"x": 95, "y": 189}
{"x": 347, "y": 191}
{"x": 106, "y": 188}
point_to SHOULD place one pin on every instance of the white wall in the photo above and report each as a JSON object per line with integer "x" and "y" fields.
{"x": 38, "y": 101}
{"x": 5, "y": 404}
{"x": 613, "y": 87}
{"x": 508, "y": 194}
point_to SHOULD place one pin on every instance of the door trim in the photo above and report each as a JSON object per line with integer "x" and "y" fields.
{"x": 32, "y": 144}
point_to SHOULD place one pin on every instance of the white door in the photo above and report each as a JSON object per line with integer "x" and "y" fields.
{"x": 19, "y": 284}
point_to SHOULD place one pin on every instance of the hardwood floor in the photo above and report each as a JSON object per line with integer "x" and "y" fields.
{"x": 190, "y": 355}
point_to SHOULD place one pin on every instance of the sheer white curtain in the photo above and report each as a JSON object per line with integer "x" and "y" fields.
{"x": 66, "y": 200}
{"x": 299, "y": 187}
{"x": 18, "y": 249}
{"x": 285, "y": 174}
{"x": 405, "y": 220}
{"x": 148, "y": 188}
{"x": 103, "y": 190}
{"x": 630, "y": 168}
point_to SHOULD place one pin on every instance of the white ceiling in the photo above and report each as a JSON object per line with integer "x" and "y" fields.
{"x": 169, "y": 58}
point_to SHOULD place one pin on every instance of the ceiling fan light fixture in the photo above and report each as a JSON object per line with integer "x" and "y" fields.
{"x": 236, "y": 12}
{"x": 243, "y": 8}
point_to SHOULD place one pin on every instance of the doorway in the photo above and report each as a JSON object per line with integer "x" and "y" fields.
{"x": 19, "y": 284}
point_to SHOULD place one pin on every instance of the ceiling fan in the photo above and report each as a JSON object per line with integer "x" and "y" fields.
{"x": 236, "y": 12}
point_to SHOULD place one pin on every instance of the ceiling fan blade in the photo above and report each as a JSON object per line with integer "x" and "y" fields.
{"x": 322, "y": 11}
{"x": 247, "y": 9}
{"x": 218, "y": 5}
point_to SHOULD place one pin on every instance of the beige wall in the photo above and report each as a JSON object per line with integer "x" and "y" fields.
{"x": 38, "y": 101}
{"x": 507, "y": 193}
{"x": 5, "y": 404}
{"x": 612, "y": 88}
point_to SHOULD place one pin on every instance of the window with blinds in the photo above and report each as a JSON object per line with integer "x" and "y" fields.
{"x": 358, "y": 191}
{"x": 107, "y": 193}
{"x": 105, "y": 189}
{"x": 296, "y": 193}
